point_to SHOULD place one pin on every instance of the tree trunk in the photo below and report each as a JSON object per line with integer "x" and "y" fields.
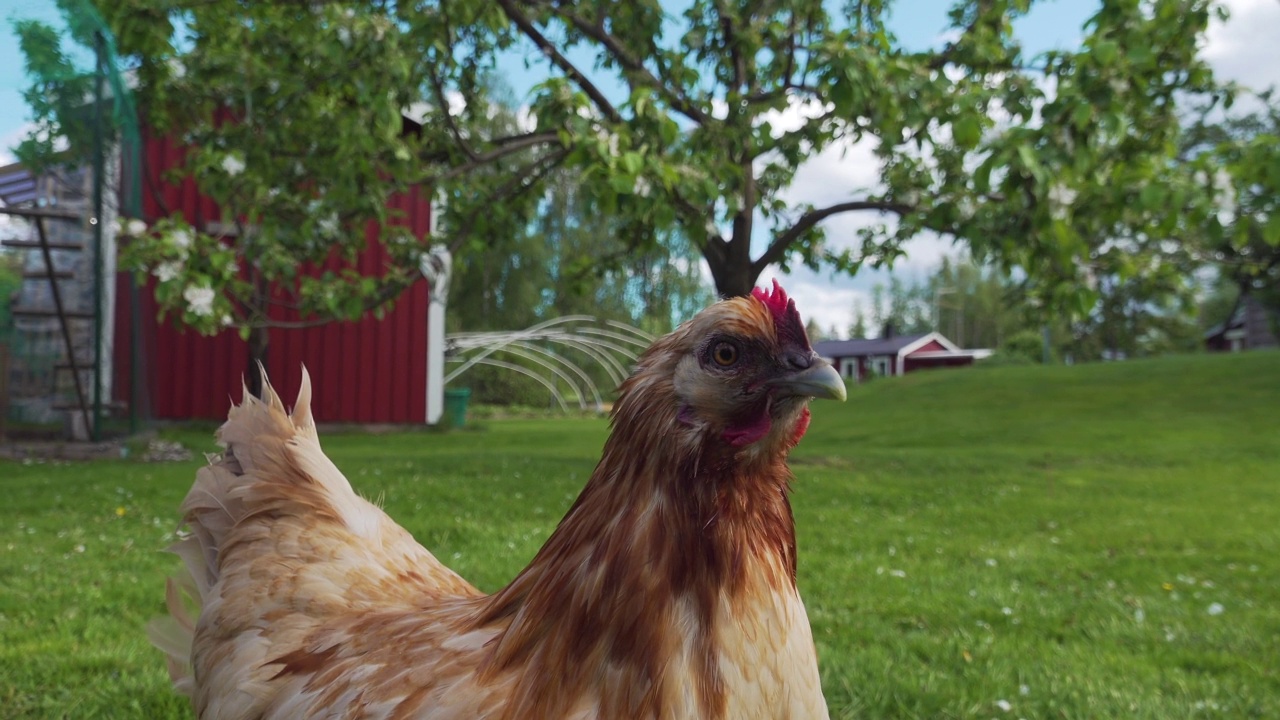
{"x": 258, "y": 338}
{"x": 731, "y": 272}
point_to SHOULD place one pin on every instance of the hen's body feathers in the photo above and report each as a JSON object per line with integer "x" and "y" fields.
{"x": 668, "y": 591}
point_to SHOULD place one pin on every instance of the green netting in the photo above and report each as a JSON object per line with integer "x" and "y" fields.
{"x": 84, "y": 113}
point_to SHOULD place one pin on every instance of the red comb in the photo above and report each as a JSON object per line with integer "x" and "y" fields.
{"x": 785, "y": 316}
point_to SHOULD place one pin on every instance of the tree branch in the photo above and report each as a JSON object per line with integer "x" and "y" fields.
{"x": 517, "y": 185}
{"x": 503, "y": 147}
{"x": 526, "y": 26}
{"x": 634, "y": 67}
{"x": 780, "y": 244}
{"x": 454, "y": 130}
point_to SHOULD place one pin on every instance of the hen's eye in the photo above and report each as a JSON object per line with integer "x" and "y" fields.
{"x": 725, "y": 354}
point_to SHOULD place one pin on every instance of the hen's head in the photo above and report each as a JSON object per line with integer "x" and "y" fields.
{"x": 739, "y": 374}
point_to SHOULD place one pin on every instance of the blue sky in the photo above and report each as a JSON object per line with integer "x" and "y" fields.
{"x": 917, "y": 24}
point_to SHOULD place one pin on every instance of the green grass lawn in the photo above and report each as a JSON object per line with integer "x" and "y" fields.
{"x": 1091, "y": 542}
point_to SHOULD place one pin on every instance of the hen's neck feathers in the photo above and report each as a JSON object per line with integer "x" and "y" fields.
{"x": 672, "y": 523}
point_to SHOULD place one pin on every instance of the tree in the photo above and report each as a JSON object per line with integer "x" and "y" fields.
{"x": 1237, "y": 158}
{"x": 564, "y": 257}
{"x": 723, "y": 102}
{"x": 906, "y": 311}
{"x": 858, "y": 328}
{"x": 300, "y": 153}
{"x": 569, "y": 259}
{"x": 294, "y": 114}
{"x": 974, "y": 305}
{"x": 814, "y": 331}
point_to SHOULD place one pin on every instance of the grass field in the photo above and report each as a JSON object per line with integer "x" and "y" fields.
{"x": 1092, "y": 542}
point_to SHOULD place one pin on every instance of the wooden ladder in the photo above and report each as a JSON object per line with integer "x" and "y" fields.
{"x": 38, "y": 216}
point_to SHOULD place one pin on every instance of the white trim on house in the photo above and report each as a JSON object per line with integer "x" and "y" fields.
{"x": 935, "y": 335}
{"x": 894, "y": 363}
{"x": 977, "y": 354}
{"x": 952, "y": 350}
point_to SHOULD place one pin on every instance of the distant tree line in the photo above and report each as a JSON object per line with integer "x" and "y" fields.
{"x": 976, "y": 306}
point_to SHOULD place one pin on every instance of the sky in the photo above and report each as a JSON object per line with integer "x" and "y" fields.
{"x": 1246, "y": 49}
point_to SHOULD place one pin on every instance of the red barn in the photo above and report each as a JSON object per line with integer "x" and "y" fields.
{"x": 894, "y": 355}
{"x": 369, "y": 371}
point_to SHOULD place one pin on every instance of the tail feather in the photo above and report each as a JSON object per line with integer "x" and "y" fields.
{"x": 273, "y": 503}
{"x": 173, "y": 633}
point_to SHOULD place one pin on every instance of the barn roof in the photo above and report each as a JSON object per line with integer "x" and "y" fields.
{"x": 865, "y": 346}
{"x": 17, "y": 186}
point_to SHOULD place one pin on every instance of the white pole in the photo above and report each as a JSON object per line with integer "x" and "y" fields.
{"x": 435, "y": 360}
{"x": 437, "y": 266}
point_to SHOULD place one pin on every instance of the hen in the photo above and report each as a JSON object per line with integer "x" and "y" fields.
{"x": 667, "y": 591}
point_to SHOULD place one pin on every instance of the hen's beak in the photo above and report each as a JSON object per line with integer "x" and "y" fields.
{"x": 818, "y": 380}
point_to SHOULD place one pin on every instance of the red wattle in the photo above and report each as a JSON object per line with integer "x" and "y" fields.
{"x": 802, "y": 424}
{"x": 740, "y": 435}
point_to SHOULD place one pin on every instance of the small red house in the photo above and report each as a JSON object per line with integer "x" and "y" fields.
{"x": 861, "y": 358}
{"x": 370, "y": 371}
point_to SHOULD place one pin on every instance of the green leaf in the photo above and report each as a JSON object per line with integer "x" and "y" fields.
{"x": 1271, "y": 231}
{"x": 967, "y": 131}
{"x": 1151, "y": 197}
{"x": 632, "y": 162}
{"x": 1027, "y": 155}
{"x": 1082, "y": 116}
{"x": 1105, "y": 51}
{"x": 622, "y": 184}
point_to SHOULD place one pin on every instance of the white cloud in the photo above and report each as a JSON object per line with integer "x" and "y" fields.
{"x": 843, "y": 171}
{"x": 1246, "y": 48}
{"x": 9, "y": 140}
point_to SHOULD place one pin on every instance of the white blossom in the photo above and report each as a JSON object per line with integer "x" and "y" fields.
{"x": 1224, "y": 196}
{"x": 181, "y": 238}
{"x": 329, "y": 224}
{"x": 1216, "y": 609}
{"x": 167, "y": 271}
{"x": 233, "y": 164}
{"x": 199, "y": 300}
{"x": 643, "y": 187}
{"x": 610, "y": 140}
{"x": 133, "y": 227}
{"x": 1062, "y": 195}
{"x": 1004, "y": 705}
{"x": 1061, "y": 199}
{"x": 227, "y": 320}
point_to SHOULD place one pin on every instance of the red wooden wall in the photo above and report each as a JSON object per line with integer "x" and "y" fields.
{"x": 931, "y": 346}
{"x": 370, "y": 371}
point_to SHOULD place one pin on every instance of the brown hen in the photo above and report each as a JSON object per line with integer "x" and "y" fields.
{"x": 667, "y": 591}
